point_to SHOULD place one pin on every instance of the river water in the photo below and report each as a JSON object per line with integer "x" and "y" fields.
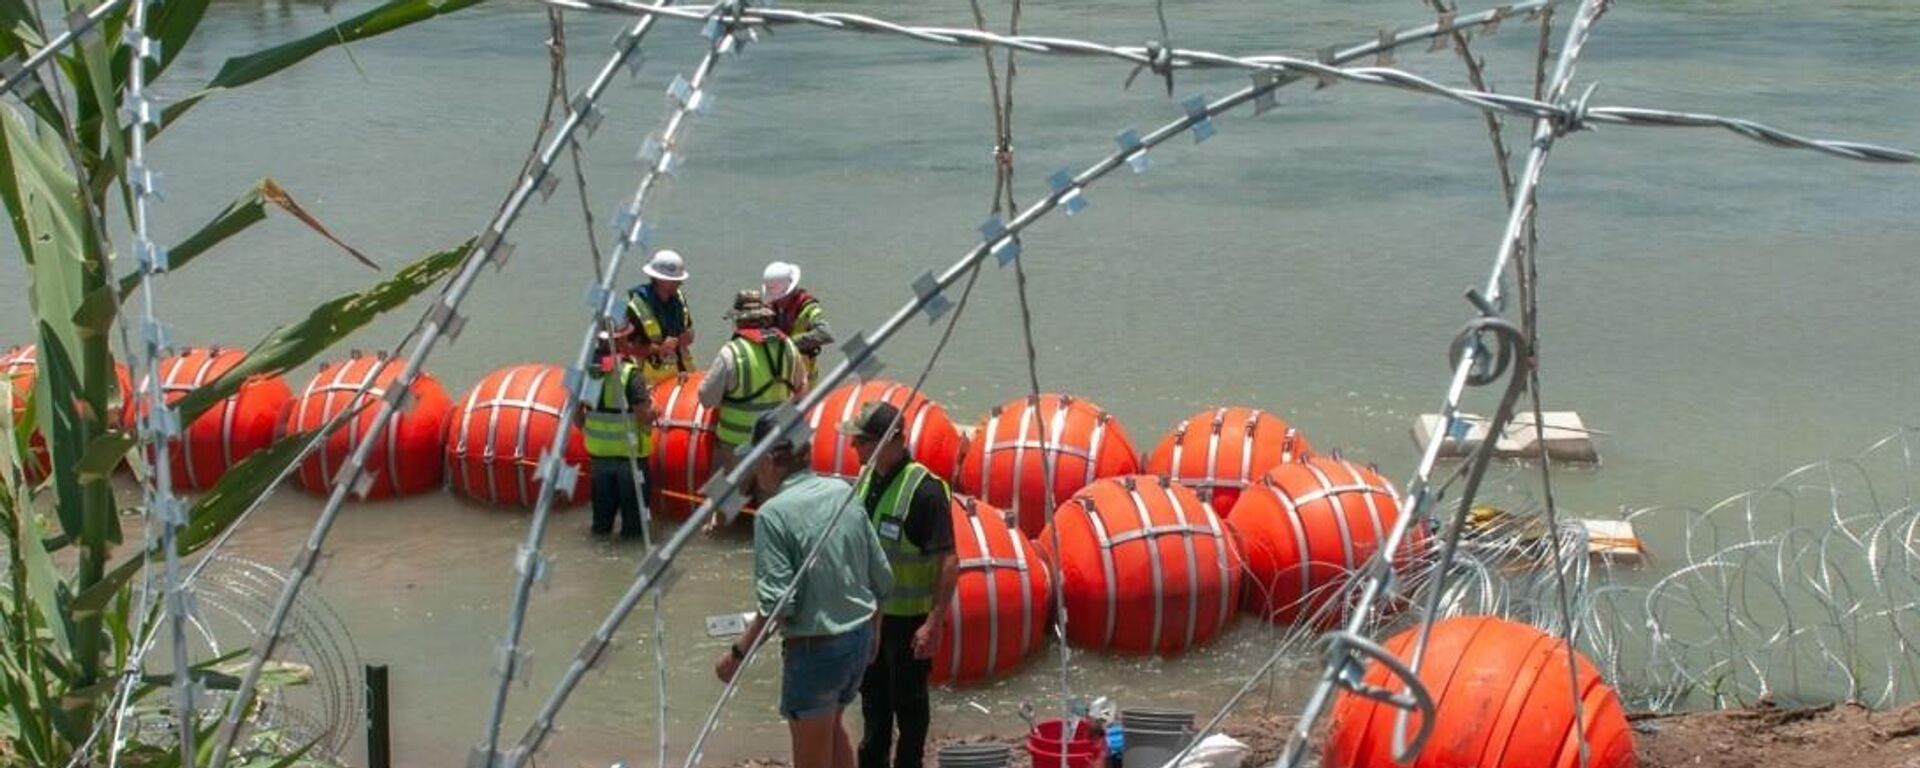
{"x": 1722, "y": 311}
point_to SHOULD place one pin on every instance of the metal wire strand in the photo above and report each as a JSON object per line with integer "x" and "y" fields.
{"x": 861, "y": 354}
{"x": 553, "y": 470}
{"x": 1567, "y": 115}
{"x": 441, "y": 318}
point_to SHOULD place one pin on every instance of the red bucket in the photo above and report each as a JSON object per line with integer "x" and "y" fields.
{"x": 1087, "y": 748}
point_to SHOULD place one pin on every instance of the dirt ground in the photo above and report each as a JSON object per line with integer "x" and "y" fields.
{"x": 1840, "y": 736}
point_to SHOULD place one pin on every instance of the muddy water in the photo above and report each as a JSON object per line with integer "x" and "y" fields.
{"x": 1722, "y": 311}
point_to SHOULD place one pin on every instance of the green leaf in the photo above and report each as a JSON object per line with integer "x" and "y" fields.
{"x": 43, "y": 583}
{"x": 100, "y": 102}
{"x": 173, "y": 24}
{"x": 43, "y": 200}
{"x": 219, "y": 507}
{"x": 18, "y": 444}
{"x": 104, "y": 454}
{"x": 96, "y": 597}
{"x": 56, "y": 383}
{"x": 292, "y": 345}
{"x": 242, "y": 70}
{"x": 244, "y": 212}
{"x": 31, "y": 709}
{"x": 211, "y": 513}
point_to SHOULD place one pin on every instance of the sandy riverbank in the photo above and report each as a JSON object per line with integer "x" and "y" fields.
{"x": 1821, "y": 737}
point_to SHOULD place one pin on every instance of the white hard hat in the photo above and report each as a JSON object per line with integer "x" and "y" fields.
{"x": 778, "y": 280}
{"x": 666, "y": 265}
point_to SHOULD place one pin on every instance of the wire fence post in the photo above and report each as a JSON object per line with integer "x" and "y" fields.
{"x": 379, "y": 718}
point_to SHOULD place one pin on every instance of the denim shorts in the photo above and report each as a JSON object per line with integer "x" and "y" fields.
{"x": 820, "y": 676}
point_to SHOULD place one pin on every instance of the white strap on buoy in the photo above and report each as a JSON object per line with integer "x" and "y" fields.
{"x": 1193, "y": 564}
{"x": 336, "y": 385}
{"x": 1012, "y": 512}
{"x": 460, "y": 446}
{"x": 990, "y": 565}
{"x": 1107, "y": 571}
{"x": 1213, "y": 451}
{"x": 490, "y": 450}
{"x": 1247, "y": 435}
{"x": 1096, "y": 442}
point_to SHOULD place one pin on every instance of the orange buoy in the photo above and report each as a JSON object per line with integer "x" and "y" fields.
{"x": 1147, "y": 549}
{"x": 410, "y": 457}
{"x": 998, "y": 614}
{"x": 1307, "y": 527}
{"x": 21, "y": 366}
{"x": 502, "y": 428}
{"x": 932, "y": 438}
{"x": 682, "y": 446}
{"x": 1502, "y": 697}
{"x": 1007, "y": 460}
{"x": 229, "y": 431}
{"x": 1219, "y": 452}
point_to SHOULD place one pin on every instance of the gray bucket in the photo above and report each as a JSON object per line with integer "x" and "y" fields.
{"x": 975, "y": 756}
{"x": 1154, "y": 736}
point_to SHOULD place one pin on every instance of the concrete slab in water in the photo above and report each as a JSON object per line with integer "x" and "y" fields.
{"x": 1567, "y": 437}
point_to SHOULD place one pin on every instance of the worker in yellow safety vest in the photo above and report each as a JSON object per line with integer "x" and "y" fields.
{"x": 658, "y": 312}
{"x": 618, "y": 427}
{"x": 911, "y": 511}
{"x": 797, "y": 313}
{"x": 756, "y": 371}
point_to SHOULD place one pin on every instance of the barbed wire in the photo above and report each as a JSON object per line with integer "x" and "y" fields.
{"x": 1781, "y": 593}
{"x": 15, "y": 70}
{"x": 1558, "y": 116}
{"x": 554, "y": 475}
{"x": 1343, "y": 652}
{"x": 1568, "y": 115}
{"x": 160, "y": 422}
{"x": 721, "y": 494}
{"x": 441, "y": 320}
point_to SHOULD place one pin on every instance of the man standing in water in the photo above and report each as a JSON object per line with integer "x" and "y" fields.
{"x": 829, "y": 622}
{"x": 618, "y": 426}
{"x": 910, "y": 509}
{"x": 756, "y": 371}
{"x": 658, "y": 310}
{"x": 798, "y": 314}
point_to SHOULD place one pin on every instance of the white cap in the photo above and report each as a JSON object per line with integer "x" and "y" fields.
{"x": 666, "y": 265}
{"x": 778, "y": 280}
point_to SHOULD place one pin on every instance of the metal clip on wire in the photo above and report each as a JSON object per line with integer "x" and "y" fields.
{"x": 1572, "y": 117}
{"x": 1485, "y": 370}
{"x": 1160, "y": 61}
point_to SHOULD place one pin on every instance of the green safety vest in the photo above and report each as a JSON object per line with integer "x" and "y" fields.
{"x": 761, "y": 371}
{"x": 609, "y": 424}
{"x": 798, "y": 315}
{"x": 915, "y": 573}
{"x": 659, "y": 368}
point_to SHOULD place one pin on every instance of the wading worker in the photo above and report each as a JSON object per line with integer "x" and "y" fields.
{"x": 658, "y": 309}
{"x": 797, "y": 313}
{"x": 829, "y": 622}
{"x": 910, "y": 509}
{"x": 618, "y": 426}
{"x": 757, "y": 370}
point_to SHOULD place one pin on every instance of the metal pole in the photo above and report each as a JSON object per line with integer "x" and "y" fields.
{"x": 379, "y": 726}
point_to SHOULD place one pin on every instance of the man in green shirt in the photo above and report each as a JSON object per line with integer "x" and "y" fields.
{"x": 829, "y": 622}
